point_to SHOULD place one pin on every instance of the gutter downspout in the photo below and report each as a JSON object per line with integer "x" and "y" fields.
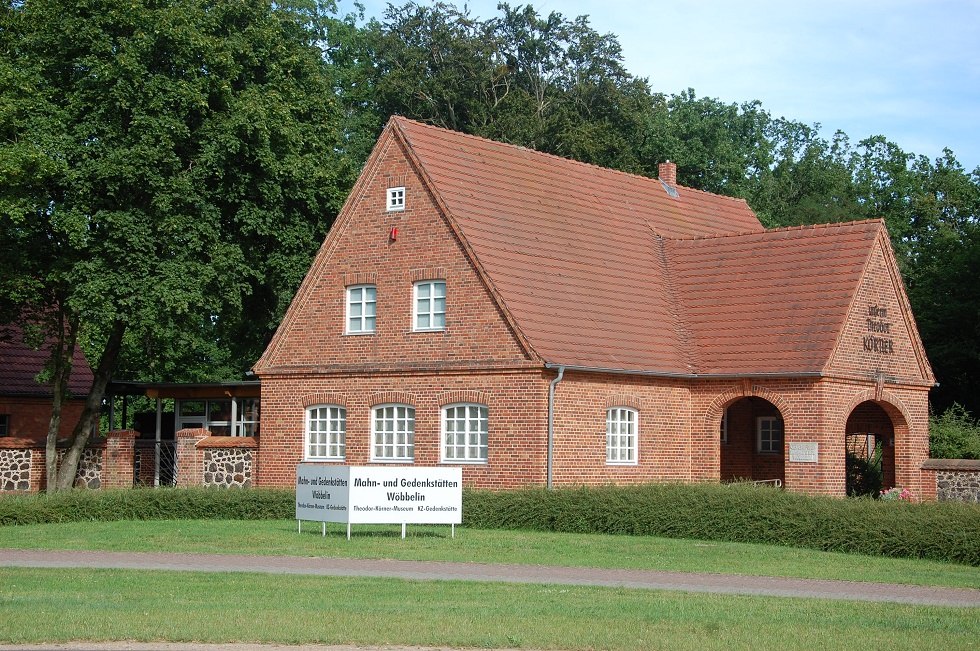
{"x": 551, "y": 422}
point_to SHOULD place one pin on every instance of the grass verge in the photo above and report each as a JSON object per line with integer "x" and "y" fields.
{"x": 59, "y": 605}
{"x": 279, "y": 537}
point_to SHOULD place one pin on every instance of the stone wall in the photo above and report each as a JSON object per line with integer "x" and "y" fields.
{"x": 955, "y": 480}
{"x": 15, "y": 469}
{"x": 228, "y": 468}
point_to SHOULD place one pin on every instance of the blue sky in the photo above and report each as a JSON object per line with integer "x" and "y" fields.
{"x": 906, "y": 69}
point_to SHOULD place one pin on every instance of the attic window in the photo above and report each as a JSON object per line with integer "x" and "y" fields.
{"x": 671, "y": 190}
{"x": 396, "y": 199}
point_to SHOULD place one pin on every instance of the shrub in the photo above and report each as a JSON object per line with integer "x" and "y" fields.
{"x": 148, "y": 504}
{"x": 954, "y": 435}
{"x": 739, "y": 513}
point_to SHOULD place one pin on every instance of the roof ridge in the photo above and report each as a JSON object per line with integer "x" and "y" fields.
{"x": 401, "y": 118}
{"x": 783, "y": 229}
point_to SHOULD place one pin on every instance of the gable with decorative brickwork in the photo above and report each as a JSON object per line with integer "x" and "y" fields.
{"x": 391, "y": 251}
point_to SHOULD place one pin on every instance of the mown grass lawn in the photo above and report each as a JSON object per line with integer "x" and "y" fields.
{"x": 59, "y": 605}
{"x": 486, "y": 546}
{"x": 54, "y": 605}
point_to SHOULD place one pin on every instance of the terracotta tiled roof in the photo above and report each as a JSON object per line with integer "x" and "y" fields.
{"x": 600, "y": 269}
{"x": 770, "y": 302}
{"x": 572, "y": 249}
{"x": 20, "y": 364}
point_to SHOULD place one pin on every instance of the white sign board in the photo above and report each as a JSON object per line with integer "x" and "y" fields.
{"x": 803, "y": 452}
{"x": 379, "y": 494}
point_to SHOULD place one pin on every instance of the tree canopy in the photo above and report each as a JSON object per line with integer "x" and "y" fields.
{"x": 168, "y": 170}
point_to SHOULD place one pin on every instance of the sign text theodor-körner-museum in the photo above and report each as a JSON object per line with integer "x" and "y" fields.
{"x": 379, "y": 494}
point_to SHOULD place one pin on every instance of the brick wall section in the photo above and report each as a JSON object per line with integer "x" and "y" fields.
{"x": 30, "y": 417}
{"x": 517, "y": 434}
{"x": 117, "y": 470}
{"x": 190, "y": 458}
{"x": 664, "y": 445}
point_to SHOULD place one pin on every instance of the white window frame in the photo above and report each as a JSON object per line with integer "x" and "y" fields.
{"x": 468, "y": 424}
{"x": 767, "y": 444}
{"x": 395, "y": 199}
{"x": 328, "y": 424}
{"x": 367, "y": 309}
{"x": 399, "y": 436}
{"x": 432, "y": 313}
{"x": 620, "y": 452}
{"x": 724, "y": 426}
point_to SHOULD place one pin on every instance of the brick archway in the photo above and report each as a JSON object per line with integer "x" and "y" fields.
{"x": 873, "y": 429}
{"x": 752, "y": 435}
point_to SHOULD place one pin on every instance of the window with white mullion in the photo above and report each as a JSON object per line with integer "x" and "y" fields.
{"x": 465, "y": 432}
{"x": 430, "y": 305}
{"x": 393, "y": 433}
{"x": 326, "y": 432}
{"x": 621, "y": 435}
{"x": 361, "y": 309}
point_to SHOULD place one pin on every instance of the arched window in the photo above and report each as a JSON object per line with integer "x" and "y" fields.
{"x": 326, "y": 432}
{"x": 464, "y": 433}
{"x": 622, "y": 426}
{"x": 393, "y": 433}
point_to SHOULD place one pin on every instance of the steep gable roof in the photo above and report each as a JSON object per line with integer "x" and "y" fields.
{"x": 598, "y": 269}
{"x": 770, "y": 302}
{"x": 20, "y": 364}
{"x": 572, "y": 249}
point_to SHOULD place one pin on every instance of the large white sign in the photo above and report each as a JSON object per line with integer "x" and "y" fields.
{"x": 379, "y": 494}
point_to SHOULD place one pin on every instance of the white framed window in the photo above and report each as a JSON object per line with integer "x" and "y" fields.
{"x": 396, "y": 199}
{"x": 430, "y": 305}
{"x": 622, "y": 425}
{"x": 361, "y": 309}
{"x": 4, "y": 424}
{"x": 769, "y": 434}
{"x": 464, "y": 433}
{"x": 393, "y": 433}
{"x": 326, "y": 432}
{"x": 724, "y": 426}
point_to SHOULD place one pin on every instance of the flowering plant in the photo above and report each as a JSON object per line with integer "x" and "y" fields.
{"x": 902, "y": 494}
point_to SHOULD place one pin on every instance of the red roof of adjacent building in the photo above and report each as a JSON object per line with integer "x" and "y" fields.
{"x": 20, "y": 365}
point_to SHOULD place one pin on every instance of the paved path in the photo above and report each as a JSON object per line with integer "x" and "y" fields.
{"x": 445, "y": 571}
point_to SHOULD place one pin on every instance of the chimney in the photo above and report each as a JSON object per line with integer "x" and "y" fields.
{"x": 668, "y": 173}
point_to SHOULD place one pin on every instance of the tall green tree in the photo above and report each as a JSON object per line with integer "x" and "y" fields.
{"x": 167, "y": 171}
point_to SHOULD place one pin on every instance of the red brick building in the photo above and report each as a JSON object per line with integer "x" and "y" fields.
{"x": 25, "y": 404}
{"x": 545, "y": 322}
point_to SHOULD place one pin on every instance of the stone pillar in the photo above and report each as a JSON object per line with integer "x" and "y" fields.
{"x": 117, "y": 467}
{"x": 190, "y": 459}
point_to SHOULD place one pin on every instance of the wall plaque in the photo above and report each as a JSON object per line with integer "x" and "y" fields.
{"x": 803, "y": 452}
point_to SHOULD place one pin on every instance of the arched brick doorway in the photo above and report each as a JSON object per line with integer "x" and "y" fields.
{"x": 752, "y": 441}
{"x": 870, "y": 438}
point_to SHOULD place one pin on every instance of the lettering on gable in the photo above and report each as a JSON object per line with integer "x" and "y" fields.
{"x": 878, "y": 326}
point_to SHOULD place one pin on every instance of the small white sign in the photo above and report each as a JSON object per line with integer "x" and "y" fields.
{"x": 379, "y": 494}
{"x": 803, "y": 452}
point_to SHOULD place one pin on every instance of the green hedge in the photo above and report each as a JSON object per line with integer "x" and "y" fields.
{"x": 148, "y": 504}
{"x": 740, "y": 513}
